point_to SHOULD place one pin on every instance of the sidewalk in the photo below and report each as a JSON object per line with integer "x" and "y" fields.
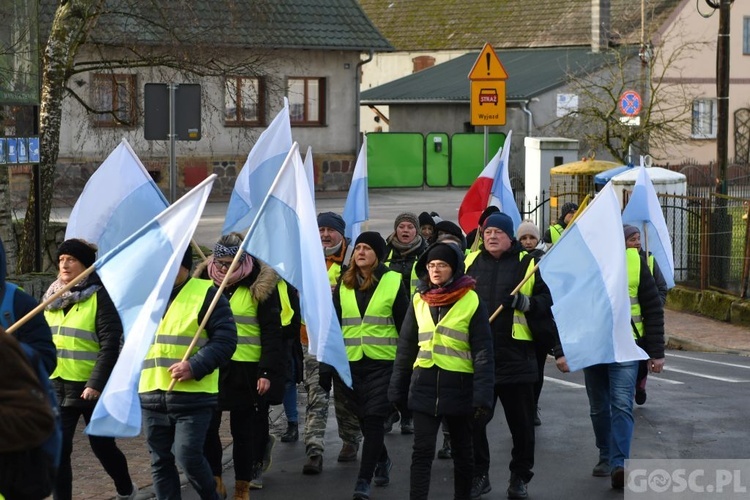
{"x": 684, "y": 331}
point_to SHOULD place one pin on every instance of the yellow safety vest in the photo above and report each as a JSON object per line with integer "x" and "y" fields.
{"x": 74, "y": 334}
{"x": 555, "y": 231}
{"x": 173, "y": 336}
{"x": 413, "y": 279}
{"x": 447, "y": 343}
{"x": 375, "y": 334}
{"x": 333, "y": 273}
{"x": 287, "y": 313}
{"x": 633, "y": 261}
{"x": 520, "y": 330}
{"x": 245, "y": 311}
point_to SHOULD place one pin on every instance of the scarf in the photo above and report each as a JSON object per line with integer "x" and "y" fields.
{"x": 405, "y": 249}
{"x": 217, "y": 273}
{"x": 449, "y": 294}
{"x": 78, "y": 293}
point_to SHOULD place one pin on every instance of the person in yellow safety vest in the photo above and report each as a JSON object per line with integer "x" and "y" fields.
{"x": 444, "y": 365}
{"x": 255, "y": 375}
{"x": 291, "y": 323}
{"x": 499, "y": 266}
{"x": 554, "y": 232}
{"x": 404, "y": 246}
{"x": 427, "y": 228}
{"x": 633, "y": 240}
{"x": 87, "y": 331}
{"x": 370, "y": 303}
{"x": 611, "y": 387}
{"x": 476, "y": 232}
{"x": 331, "y": 227}
{"x": 176, "y": 422}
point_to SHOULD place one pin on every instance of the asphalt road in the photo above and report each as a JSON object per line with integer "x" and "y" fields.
{"x": 696, "y": 409}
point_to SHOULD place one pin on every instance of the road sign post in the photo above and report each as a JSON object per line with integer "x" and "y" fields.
{"x": 487, "y": 78}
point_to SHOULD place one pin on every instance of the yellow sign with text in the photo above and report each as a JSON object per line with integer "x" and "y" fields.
{"x": 488, "y": 102}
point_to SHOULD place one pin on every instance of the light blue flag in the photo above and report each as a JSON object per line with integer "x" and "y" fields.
{"x": 502, "y": 193}
{"x": 644, "y": 211}
{"x": 310, "y": 171}
{"x": 357, "y": 207}
{"x": 587, "y": 276}
{"x": 285, "y": 236}
{"x": 258, "y": 173}
{"x": 139, "y": 275}
{"x": 117, "y": 200}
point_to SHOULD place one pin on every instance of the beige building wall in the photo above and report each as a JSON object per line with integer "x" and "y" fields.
{"x": 687, "y": 44}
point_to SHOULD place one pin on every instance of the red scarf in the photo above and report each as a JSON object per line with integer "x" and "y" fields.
{"x": 443, "y": 296}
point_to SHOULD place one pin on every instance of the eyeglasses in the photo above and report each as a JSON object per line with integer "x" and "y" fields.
{"x": 222, "y": 265}
{"x": 437, "y": 265}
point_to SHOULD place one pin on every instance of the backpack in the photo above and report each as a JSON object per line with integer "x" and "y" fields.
{"x": 30, "y": 451}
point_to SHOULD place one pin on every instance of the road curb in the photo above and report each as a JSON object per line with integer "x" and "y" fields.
{"x": 682, "y": 344}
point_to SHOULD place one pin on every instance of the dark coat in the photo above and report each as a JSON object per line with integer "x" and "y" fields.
{"x": 222, "y": 341}
{"x": 370, "y": 377}
{"x": 35, "y": 332}
{"x": 238, "y": 379}
{"x": 403, "y": 263}
{"x": 434, "y": 390}
{"x": 109, "y": 335}
{"x": 292, "y": 345}
{"x": 515, "y": 360}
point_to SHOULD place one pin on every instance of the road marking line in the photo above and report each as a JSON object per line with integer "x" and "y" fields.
{"x": 702, "y": 375}
{"x": 658, "y": 378}
{"x": 734, "y": 365}
{"x": 564, "y": 382}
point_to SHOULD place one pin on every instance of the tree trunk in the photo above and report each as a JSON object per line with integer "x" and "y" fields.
{"x": 73, "y": 20}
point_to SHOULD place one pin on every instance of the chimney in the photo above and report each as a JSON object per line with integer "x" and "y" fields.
{"x": 600, "y": 25}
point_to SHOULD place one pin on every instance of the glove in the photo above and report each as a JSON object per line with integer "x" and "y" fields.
{"x": 518, "y": 301}
{"x": 482, "y": 415}
{"x": 325, "y": 377}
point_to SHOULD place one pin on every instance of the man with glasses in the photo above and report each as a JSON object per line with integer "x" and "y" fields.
{"x": 499, "y": 266}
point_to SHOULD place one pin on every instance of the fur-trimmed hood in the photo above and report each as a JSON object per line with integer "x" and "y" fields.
{"x": 261, "y": 281}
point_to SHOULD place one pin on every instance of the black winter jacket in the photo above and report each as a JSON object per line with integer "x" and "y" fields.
{"x": 222, "y": 341}
{"x": 370, "y": 377}
{"x": 436, "y": 391}
{"x": 515, "y": 360}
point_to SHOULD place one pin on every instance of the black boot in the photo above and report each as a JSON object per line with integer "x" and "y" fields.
{"x": 291, "y": 434}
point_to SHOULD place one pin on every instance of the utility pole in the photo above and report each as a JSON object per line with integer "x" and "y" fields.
{"x": 722, "y": 94}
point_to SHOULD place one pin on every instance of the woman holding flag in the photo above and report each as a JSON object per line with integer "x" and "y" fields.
{"x": 256, "y": 368}
{"x": 87, "y": 332}
{"x": 370, "y": 303}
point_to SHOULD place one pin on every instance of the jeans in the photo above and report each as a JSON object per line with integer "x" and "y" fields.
{"x": 105, "y": 449}
{"x": 425, "y": 434}
{"x": 611, "y": 388}
{"x": 185, "y": 432}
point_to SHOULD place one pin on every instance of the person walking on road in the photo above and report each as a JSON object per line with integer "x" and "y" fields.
{"x": 247, "y": 381}
{"x": 554, "y": 232}
{"x": 331, "y": 227}
{"x": 611, "y": 387}
{"x": 370, "y": 303}
{"x": 87, "y": 331}
{"x": 176, "y": 422}
{"x": 498, "y": 267}
{"x": 444, "y": 366}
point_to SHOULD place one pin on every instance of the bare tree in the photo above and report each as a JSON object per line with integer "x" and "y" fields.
{"x": 666, "y": 102}
{"x": 107, "y": 36}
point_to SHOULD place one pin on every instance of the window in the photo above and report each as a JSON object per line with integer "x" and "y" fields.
{"x": 704, "y": 119}
{"x": 114, "y": 96}
{"x": 307, "y": 101}
{"x": 746, "y": 35}
{"x": 244, "y": 101}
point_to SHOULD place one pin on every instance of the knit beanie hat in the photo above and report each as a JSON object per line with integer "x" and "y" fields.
{"x": 82, "y": 250}
{"x": 630, "y": 230}
{"x": 492, "y": 209}
{"x": 408, "y": 217}
{"x": 443, "y": 251}
{"x": 567, "y": 208}
{"x": 527, "y": 227}
{"x": 373, "y": 240}
{"x": 332, "y": 220}
{"x": 426, "y": 219}
{"x": 187, "y": 258}
{"x": 500, "y": 221}
{"x": 453, "y": 229}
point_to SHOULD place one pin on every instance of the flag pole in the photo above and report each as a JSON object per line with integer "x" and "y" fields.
{"x": 233, "y": 265}
{"x": 581, "y": 209}
{"x": 18, "y": 324}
